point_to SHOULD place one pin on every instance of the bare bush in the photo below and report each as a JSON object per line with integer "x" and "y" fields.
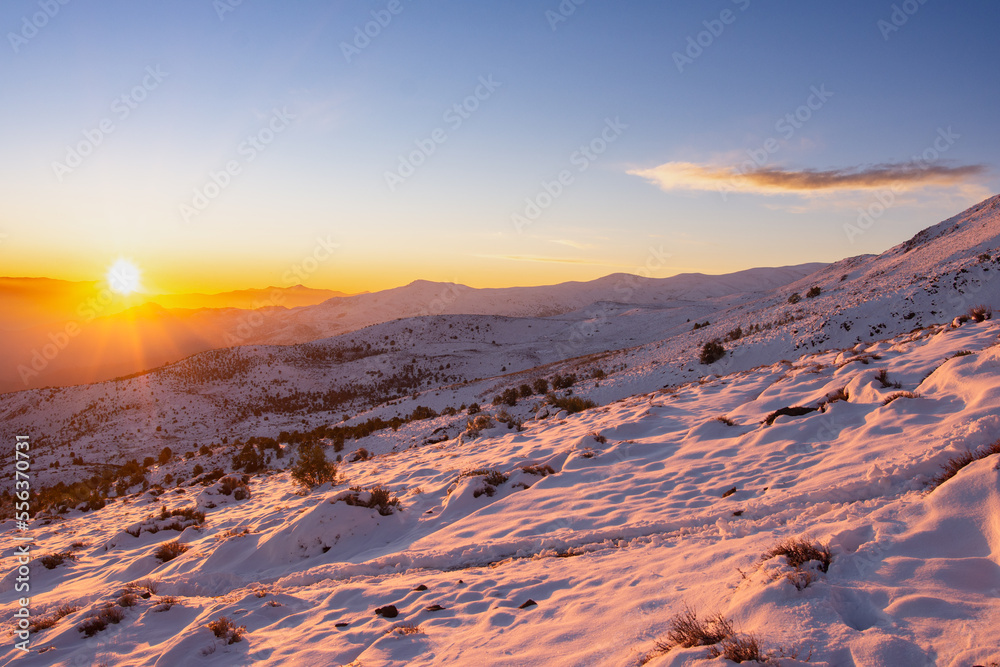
{"x": 956, "y": 463}
{"x": 170, "y": 550}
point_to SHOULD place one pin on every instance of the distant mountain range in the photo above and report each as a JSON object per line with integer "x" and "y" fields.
{"x": 86, "y": 341}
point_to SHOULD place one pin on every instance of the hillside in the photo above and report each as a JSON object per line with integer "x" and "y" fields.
{"x": 538, "y": 530}
{"x": 91, "y": 344}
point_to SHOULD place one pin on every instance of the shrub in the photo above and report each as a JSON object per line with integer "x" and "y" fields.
{"x": 205, "y": 450}
{"x": 492, "y": 479}
{"x": 197, "y": 470}
{"x": 572, "y": 404}
{"x": 563, "y": 381}
{"x": 473, "y": 408}
{"x": 97, "y": 622}
{"x": 956, "y": 463}
{"x": 170, "y": 550}
{"x": 361, "y": 454}
{"x": 899, "y": 394}
{"x": 508, "y": 397}
{"x": 541, "y": 386}
{"x": 813, "y": 292}
{"x": 236, "y": 485}
{"x": 312, "y": 468}
{"x": 422, "y": 412}
{"x": 687, "y": 630}
{"x": 405, "y": 629}
{"x": 52, "y": 561}
{"x": 795, "y": 297}
{"x": 379, "y": 498}
{"x": 725, "y": 420}
{"x": 223, "y": 628}
{"x": 980, "y": 313}
{"x": 150, "y": 586}
{"x": 525, "y": 391}
{"x": 249, "y": 459}
{"x": 165, "y": 455}
{"x": 735, "y": 334}
{"x": 883, "y": 377}
{"x": 840, "y": 395}
{"x": 510, "y": 420}
{"x": 740, "y": 648}
{"x": 798, "y": 552}
{"x": 165, "y": 603}
{"x": 38, "y": 623}
{"x": 711, "y": 352}
{"x": 475, "y": 426}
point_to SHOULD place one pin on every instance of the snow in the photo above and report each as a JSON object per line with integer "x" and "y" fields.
{"x": 612, "y": 520}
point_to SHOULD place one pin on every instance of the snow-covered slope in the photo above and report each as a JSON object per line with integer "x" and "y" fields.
{"x": 422, "y": 297}
{"x": 611, "y": 520}
{"x": 839, "y": 407}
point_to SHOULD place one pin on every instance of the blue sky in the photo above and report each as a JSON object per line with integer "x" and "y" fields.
{"x": 554, "y": 85}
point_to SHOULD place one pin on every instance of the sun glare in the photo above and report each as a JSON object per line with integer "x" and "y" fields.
{"x": 123, "y": 277}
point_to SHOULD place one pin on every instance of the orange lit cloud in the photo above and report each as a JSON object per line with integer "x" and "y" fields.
{"x": 772, "y": 181}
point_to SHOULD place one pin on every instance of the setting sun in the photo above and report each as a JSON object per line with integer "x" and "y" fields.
{"x": 123, "y": 277}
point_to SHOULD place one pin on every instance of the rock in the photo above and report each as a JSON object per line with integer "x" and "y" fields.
{"x": 388, "y": 611}
{"x": 419, "y": 588}
{"x": 434, "y": 607}
{"x": 342, "y": 624}
{"x": 528, "y": 603}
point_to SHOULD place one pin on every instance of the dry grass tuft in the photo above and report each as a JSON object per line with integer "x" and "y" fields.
{"x": 687, "y": 630}
{"x": 899, "y": 394}
{"x": 956, "y": 463}
{"x": 38, "y": 623}
{"x": 223, "y": 628}
{"x": 170, "y": 550}
{"x": 798, "y": 552}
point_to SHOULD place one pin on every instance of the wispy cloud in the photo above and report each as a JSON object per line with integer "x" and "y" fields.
{"x": 535, "y": 258}
{"x": 572, "y": 244}
{"x": 773, "y": 181}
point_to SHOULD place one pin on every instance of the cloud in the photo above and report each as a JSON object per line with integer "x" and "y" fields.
{"x": 772, "y": 181}
{"x": 572, "y": 244}
{"x": 557, "y": 260}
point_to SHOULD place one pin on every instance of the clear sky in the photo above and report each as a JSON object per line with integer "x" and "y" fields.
{"x": 121, "y": 118}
